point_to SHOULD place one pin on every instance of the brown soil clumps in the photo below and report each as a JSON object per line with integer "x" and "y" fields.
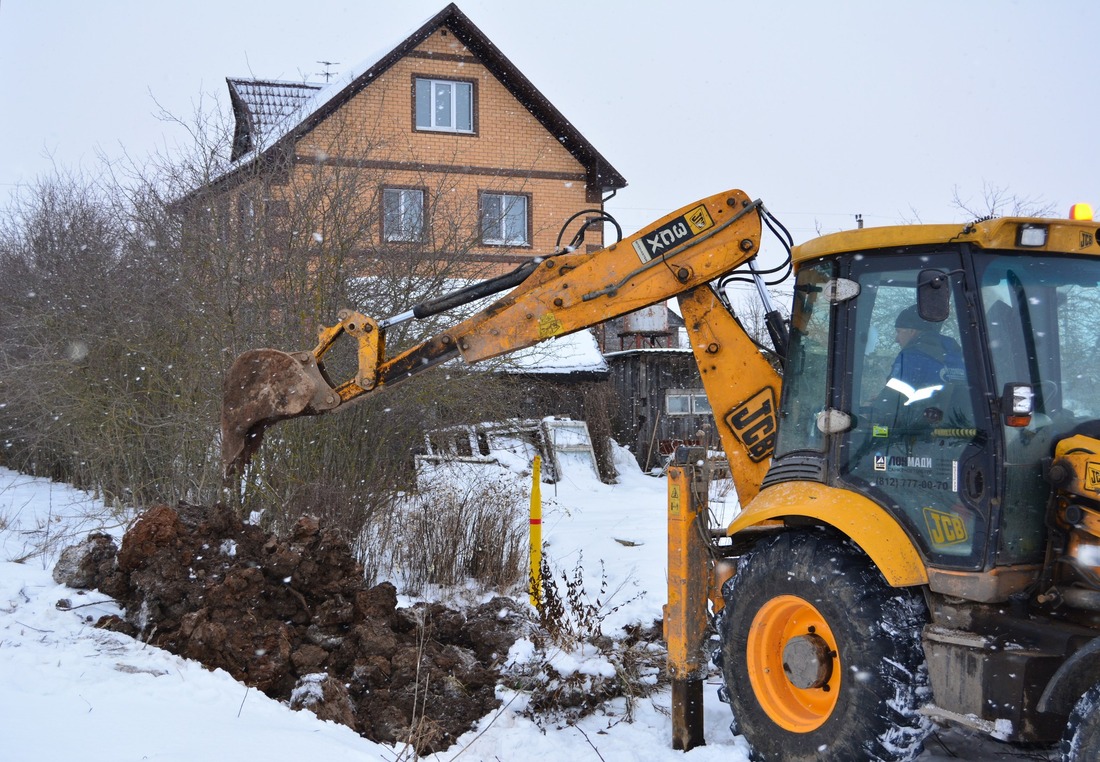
{"x": 294, "y": 618}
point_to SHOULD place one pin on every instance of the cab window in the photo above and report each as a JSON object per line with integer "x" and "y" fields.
{"x": 1042, "y": 319}
{"x": 805, "y": 380}
{"x": 915, "y": 445}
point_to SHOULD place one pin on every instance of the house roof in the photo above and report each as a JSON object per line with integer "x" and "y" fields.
{"x": 260, "y": 106}
{"x": 271, "y": 115}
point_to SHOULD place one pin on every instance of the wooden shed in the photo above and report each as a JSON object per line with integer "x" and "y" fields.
{"x": 659, "y": 403}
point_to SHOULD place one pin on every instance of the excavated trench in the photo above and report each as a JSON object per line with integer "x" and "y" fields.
{"x": 294, "y": 618}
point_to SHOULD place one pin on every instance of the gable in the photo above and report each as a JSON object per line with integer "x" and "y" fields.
{"x": 277, "y": 115}
{"x": 377, "y": 126}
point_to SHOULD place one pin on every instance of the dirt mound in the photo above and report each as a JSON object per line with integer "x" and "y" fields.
{"x": 294, "y": 618}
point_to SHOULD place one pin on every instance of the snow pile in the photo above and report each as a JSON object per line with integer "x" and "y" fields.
{"x": 107, "y": 696}
{"x": 71, "y": 691}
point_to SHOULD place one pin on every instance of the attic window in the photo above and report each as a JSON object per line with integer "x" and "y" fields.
{"x": 444, "y": 105}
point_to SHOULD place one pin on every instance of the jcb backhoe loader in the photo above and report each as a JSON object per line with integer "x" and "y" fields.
{"x": 919, "y": 539}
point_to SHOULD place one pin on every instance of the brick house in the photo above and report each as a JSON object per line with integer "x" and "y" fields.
{"x": 446, "y": 147}
{"x": 449, "y": 153}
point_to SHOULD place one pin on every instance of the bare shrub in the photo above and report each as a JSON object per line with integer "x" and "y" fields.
{"x": 456, "y": 533}
{"x": 99, "y": 367}
{"x": 567, "y": 612}
{"x": 627, "y": 668}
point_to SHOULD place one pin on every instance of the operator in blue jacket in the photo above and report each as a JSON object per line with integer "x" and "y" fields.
{"x": 927, "y": 358}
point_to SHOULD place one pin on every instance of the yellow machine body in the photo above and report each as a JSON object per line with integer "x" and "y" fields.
{"x": 918, "y": 501}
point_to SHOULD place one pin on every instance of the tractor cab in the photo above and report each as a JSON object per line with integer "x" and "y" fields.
{"x": 933, "y": 370}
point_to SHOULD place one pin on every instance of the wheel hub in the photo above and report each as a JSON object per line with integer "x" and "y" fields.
{"x": 807, "y": 661}
{"x": 792, "y": 661}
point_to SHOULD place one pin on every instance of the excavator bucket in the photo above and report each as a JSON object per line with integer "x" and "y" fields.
{"x": 263, "y": 387}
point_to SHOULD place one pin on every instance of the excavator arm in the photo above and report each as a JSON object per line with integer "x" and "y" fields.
{"x": 550, "y": 296}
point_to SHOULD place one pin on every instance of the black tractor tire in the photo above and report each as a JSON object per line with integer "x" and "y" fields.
{"x": 1081, "y": 741}
{"x": 836, "y": 652}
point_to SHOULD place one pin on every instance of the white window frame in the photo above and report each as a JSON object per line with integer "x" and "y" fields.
{"x": 404, "y": 221}
{"x": 501, "y": 225}
{"x": 432, "y": 104}
{"x": 246, "y": 218}
{"x": 696, "y": 399}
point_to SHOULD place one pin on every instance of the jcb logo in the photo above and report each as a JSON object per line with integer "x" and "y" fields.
{"x": 664, "y": 239}
{"x": 945, "y": 528}
{"x": 699, "y": 219}
{"x": 753, "y": 423}
{"x": 1092, "y": 476}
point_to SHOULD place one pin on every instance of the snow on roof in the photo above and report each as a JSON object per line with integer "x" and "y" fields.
{"x": 575, "y": 353}
{"x": 295, "y": 107}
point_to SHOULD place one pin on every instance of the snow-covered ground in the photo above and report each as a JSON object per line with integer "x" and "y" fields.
{"x": 70, "y": 691}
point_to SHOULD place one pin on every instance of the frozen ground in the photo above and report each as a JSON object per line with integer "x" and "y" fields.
{"x": 69, "y": 691}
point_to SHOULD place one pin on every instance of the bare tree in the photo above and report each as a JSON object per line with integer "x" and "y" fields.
{"x": 281, "y": 251}
{"x": 127, "y": 306}
{"x": 998, "y": 201}
{"x": 132, "y": 291}
{"x": 87, "y": 357}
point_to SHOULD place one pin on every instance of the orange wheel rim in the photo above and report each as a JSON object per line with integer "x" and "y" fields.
{"x": 781, "y": 623}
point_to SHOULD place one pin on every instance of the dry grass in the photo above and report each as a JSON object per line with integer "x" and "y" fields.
{"x": 454, "y": 535}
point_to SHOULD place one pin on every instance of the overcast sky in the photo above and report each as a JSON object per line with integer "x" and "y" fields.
{"x": 823, "y": 109}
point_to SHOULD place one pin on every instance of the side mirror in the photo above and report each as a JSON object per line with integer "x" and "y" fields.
{"x": 933, "y": 296}
{"x": 1018, "y": 404}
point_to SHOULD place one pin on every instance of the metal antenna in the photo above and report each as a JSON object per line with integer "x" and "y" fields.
{"x": 326, "y": 73}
